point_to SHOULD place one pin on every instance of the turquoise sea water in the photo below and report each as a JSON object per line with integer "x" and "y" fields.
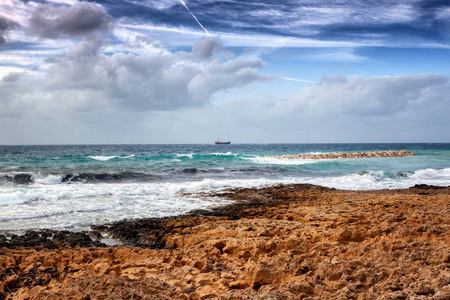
{"x": 71, "y": 187}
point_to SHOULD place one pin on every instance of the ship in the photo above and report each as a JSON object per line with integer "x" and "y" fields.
{"x": 222, "y": 143}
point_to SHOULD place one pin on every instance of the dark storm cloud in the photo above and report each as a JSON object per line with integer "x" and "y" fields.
{"x": 5, "y": 26}
{"x": 81, "y": 19}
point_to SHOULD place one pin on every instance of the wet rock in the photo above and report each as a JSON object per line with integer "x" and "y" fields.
{"x": 23, "y": 178}
{"x": 51, "y": 239}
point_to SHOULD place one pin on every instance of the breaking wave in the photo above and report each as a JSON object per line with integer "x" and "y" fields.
{"x": 278, "y": 161}
{"x": 375, "y": 180}
{"x": 88, "y": 177}
{"x": 109, "y": 157}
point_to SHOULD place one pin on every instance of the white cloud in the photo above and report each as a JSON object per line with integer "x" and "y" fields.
{"x": 158, "y": 80}
{"x": 83, "y": 78}
{"x": 443, "y": 14}
{"x": 385, "y": 95}
{"x": 16, "y": 99}
{"x": 216, "y": 77}
{"x": 403, "y": 108}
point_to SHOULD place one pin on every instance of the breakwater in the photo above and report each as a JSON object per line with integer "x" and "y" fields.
{"x": 340, "y": 155}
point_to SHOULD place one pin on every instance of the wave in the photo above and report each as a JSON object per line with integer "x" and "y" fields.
{"x": 87, "y": 177}
{"x": 68, "y": 205}
{"x": 53, "y": 214}
{"x": 43, "y": 193}
{"x": 190, "y": 155}
{"x": 432, "y": 173}
{"x": 224, "y": 154}
{"x": 109, "y": 157}
{"x": 78, "y": 206}
{"x": 205, "y": 156}
{"x": 277, "y": 161}
{"x": 103, "y": 158}
{"x": 375, "y": 180}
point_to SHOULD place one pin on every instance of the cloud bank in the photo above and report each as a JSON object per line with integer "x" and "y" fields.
{"x": 152, "y": 78}
{"x": 158, "y": 80}
{"x": 384, "y": 95}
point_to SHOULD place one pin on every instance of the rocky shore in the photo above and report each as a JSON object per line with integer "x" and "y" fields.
{"x": 340, "y": 155}
{"x": 281, "y": 242}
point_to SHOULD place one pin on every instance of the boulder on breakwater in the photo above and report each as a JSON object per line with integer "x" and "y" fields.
{"x": 340, "y": 155}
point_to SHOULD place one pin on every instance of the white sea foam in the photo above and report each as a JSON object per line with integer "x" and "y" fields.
{"x": 376, "y": 180}
{"x": 432, "y": 173}
{"x": 79, "y": 205}
{"x": 280, "y": 161}
{"x": 35, "y": 193}
{"x": 72, "y": 205}
{"x": 48, "y": 179}
{"x": 224, "y": 154}
{"x": 190, "y": 155}
{"x": 103, "y": 158}
{"x": 11, "y": 197}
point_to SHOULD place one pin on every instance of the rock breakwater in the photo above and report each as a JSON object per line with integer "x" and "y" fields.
{"x": 340, "y": 155}
{"x": 280, "y": 242}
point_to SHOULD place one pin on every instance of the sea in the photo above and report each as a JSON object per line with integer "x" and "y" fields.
{"x": 70, "y": 187}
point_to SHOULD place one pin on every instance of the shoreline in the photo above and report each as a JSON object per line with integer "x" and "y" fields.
{"x": 288, "y": 241}
{"x": 124, "y": 232}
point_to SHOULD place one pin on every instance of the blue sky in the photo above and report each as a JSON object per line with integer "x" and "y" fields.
{"x": 175, "y": 71}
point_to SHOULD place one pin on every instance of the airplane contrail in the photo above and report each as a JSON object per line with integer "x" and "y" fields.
{"x": 299, "y": 80}
{"x": 207, "y": 32}
{"x": 184, "y": 4}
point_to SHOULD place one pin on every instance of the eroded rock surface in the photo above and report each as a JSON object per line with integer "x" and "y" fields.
{"x": 282, "y": 242}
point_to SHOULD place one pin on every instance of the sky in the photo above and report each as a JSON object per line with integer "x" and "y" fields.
{"x": 184, "y": 71}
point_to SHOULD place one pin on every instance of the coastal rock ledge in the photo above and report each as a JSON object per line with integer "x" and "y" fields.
{"x": 340, "y": 155}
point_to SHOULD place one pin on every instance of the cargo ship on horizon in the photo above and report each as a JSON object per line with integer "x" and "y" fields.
{"x": 218, "y": 142}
